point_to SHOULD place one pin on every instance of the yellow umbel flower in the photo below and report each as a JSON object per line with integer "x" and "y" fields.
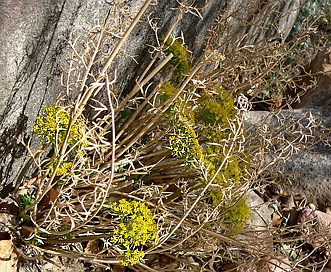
{"x": 52, "y": 126}
{"x": 64, "y": 168}
{"x": 136, "y": 229}
{"x": 216, "y": 109}
{"x": 180, "y": 59}
{"x": 184, "y": 142}
{"x": 236, "y": 217}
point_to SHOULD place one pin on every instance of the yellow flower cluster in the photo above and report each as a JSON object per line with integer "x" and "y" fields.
{"x": 216, "y": 109}
{"x": 167, "y": 91}
{"x": 184, "y": 142}
{"x": 180, "y": 60}
{"x": 132, "y": 257}
{"x": 53, "y": 126}
{"x": 236, "y": 217}
{"x": 62, "y": 169}
{"x": 136, "y": 229}
{"x": 233, "y": 172}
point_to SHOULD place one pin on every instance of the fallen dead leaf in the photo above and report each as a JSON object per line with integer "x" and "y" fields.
{"x": 6, "y": 246}
{"x": 7, "y": 256}
{"x": 92, "y": 247}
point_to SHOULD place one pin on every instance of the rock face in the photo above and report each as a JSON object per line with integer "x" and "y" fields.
{"x": 32, "y": 39}
{"x": 319, "y": 97}
{"x": 258, "y": 224}
{"x": 307, "y": 169}
{"x": 275, "y": 22}
{"x": 33, "y": 45}
{"x": 311, "y": 169}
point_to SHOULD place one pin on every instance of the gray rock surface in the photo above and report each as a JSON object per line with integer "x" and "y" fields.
{"x": 310, "y": 168}
{"x": 258, "y": 224}
{"x": 275, "y": 22}
{"x": 33, "y": 37}
{"x": 319, "y": 97}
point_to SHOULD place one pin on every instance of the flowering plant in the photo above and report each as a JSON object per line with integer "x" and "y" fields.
{"x": 136, "y": 229}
